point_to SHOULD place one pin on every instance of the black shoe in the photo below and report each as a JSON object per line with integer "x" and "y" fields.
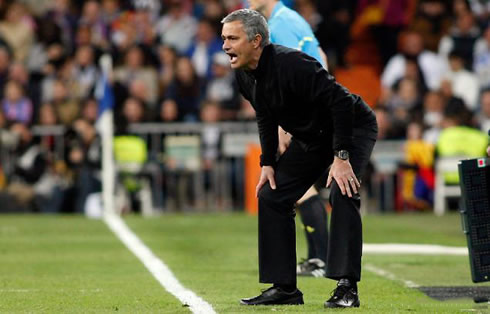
{"x": 274, "y": 296}
{"x": 343, "y": 296}
{"x": 313, "y": 267}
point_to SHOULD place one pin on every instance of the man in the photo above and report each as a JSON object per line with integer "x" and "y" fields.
{"x": 329, "y": 125}
{"x": 289, "y": 29}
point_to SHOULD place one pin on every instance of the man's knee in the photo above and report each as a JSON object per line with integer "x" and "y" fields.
{"x": 273, "y": 199}
{"x": 336, "y": 194}
{"x": 266, "y": 195}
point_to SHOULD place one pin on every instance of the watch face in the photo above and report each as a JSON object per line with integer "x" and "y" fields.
{"x": 343, "y": 154}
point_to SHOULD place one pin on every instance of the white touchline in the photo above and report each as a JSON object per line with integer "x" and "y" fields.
{"x": 391, "y": 276}
{"x": 419, "y": 249}
{"x": 157, "y": 267}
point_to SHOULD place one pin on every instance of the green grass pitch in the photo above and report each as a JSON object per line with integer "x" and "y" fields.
{"x": 70, "y": 264}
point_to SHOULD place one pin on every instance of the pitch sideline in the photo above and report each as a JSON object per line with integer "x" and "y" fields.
{"x": 418, "y": 249}
{"x": 386, "y": 274}
{"x": 156, "y": 266}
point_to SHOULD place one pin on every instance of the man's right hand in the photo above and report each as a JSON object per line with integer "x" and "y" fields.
{"x": 266, "y": 175}
{"x": 284, "y": 140}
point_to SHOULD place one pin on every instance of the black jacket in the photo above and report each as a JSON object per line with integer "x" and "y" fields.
{"x": 291, "y": 89}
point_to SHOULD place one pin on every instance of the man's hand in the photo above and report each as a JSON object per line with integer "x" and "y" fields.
{"x": 284, "y": 140}
{"x": 267, "y": 175}
{"x": 343, "y": 174}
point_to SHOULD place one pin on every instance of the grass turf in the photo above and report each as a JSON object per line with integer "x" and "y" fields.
{"x": 70, "y": 264}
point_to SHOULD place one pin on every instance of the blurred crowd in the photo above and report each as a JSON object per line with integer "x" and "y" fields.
{"x": 168, "y": 67}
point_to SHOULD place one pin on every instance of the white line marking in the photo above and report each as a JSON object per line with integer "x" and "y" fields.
{"x": 422, "y": 249}
{"x": 390, "y": 276}
{"x": 157, "y": 267}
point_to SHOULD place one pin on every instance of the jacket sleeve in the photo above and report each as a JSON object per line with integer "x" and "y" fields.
{"x": 266, "y": 124}
{"x": 269, "y": 138}
{"x": 319, "y": 88}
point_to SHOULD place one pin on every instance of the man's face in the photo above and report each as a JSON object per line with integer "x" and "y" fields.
{"x": 237, "y": 46}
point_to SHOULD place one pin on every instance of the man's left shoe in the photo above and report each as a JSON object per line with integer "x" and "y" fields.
{"x": 343, "y": 296}
{"x": 275, "y": 296}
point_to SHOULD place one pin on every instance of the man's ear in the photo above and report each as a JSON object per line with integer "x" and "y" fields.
{"x": 257, "y": 41}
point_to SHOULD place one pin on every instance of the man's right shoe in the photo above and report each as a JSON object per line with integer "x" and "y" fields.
{"x": 275, "y": 296}
{"x": 343, "y": 296}
{"x": 313, "y": 267}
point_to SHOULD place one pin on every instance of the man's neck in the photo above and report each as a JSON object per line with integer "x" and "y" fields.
{"x": 254, "y": 63}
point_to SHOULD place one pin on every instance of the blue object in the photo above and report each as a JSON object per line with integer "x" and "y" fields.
{"x": 290, "y": 29}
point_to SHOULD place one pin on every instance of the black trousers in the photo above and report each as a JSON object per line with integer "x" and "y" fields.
{"x": 296, "y": 170}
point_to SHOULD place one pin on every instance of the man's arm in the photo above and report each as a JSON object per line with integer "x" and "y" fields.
{"x": 268, "y": 138}
{"x": 320, "y": 88}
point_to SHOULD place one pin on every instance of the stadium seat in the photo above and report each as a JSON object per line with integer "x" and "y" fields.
{"x": 362, "y": 80}
{"x": 130, "y": 154}
{"x": 443, "y": 190}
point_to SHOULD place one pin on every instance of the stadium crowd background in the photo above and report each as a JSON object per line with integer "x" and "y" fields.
{"x": 430, "y": 59}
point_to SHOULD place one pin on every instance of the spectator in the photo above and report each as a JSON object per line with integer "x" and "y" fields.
{"x": 15, "y": 30}
{"x": 5, "y": 61}
{"x": 205, "y": 45}
{"x": 460, "y": 7}
{"x": 432, "y": 21}
{"x": 457, "y": 138}
{"x": 177, "y": 28}
{"x": 481, "y": 10}
{"x": 66, "y": 107}
{"x": 142, "y": 24}
{"x": 483, "y": 116}
{"x": 464, "y": 84}
{"x": 85, "y": 72}
{"x": 481, "y": 60}
{"x": 185, "y": 90}
{"x": 223, "y": 88}
{"x": 461, "y": 37}
{"x": 90, "y": 108}
{"x": 412, "y": 48}
{"x": 334, "y": 30}
{"x": 388, "y": 128}
{"x": 48, "y": 34}
{"x": 169, "y": 111}
{"x": 167, "y": 57}
{"x": 84, "y": 157}
{"x": 60, "y": 14}
{"x": 111, "y": 10}
{"x": 210, "y": 136}
{"x": 390, "y": 17}
{"x": 405, "y": 103}
{"x": 134, "y": 111}
{"x": 92, "y": 19}
{"x": 134, "y": 68}
{"x": 210, "y": 147}
{"x": 30, "y": 166}
{"x": 418, "y": 177}
{"x": 432, "y": 116}
{"x": 47, "y": 115}
{"x": 15, "y": 105}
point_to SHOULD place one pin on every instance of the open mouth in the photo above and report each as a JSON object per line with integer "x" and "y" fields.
{"x": 233, "y": 57}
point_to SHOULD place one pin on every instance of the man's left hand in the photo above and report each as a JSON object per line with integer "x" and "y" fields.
{"x": 341, "y": 171}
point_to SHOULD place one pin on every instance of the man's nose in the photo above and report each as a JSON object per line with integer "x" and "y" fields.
{"x": 225, "y": 46}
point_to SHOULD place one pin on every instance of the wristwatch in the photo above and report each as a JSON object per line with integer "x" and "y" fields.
{"x": 342, "y": 154}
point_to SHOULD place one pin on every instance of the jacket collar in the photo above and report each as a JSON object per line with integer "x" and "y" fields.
{"x": 264, "y": 59}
